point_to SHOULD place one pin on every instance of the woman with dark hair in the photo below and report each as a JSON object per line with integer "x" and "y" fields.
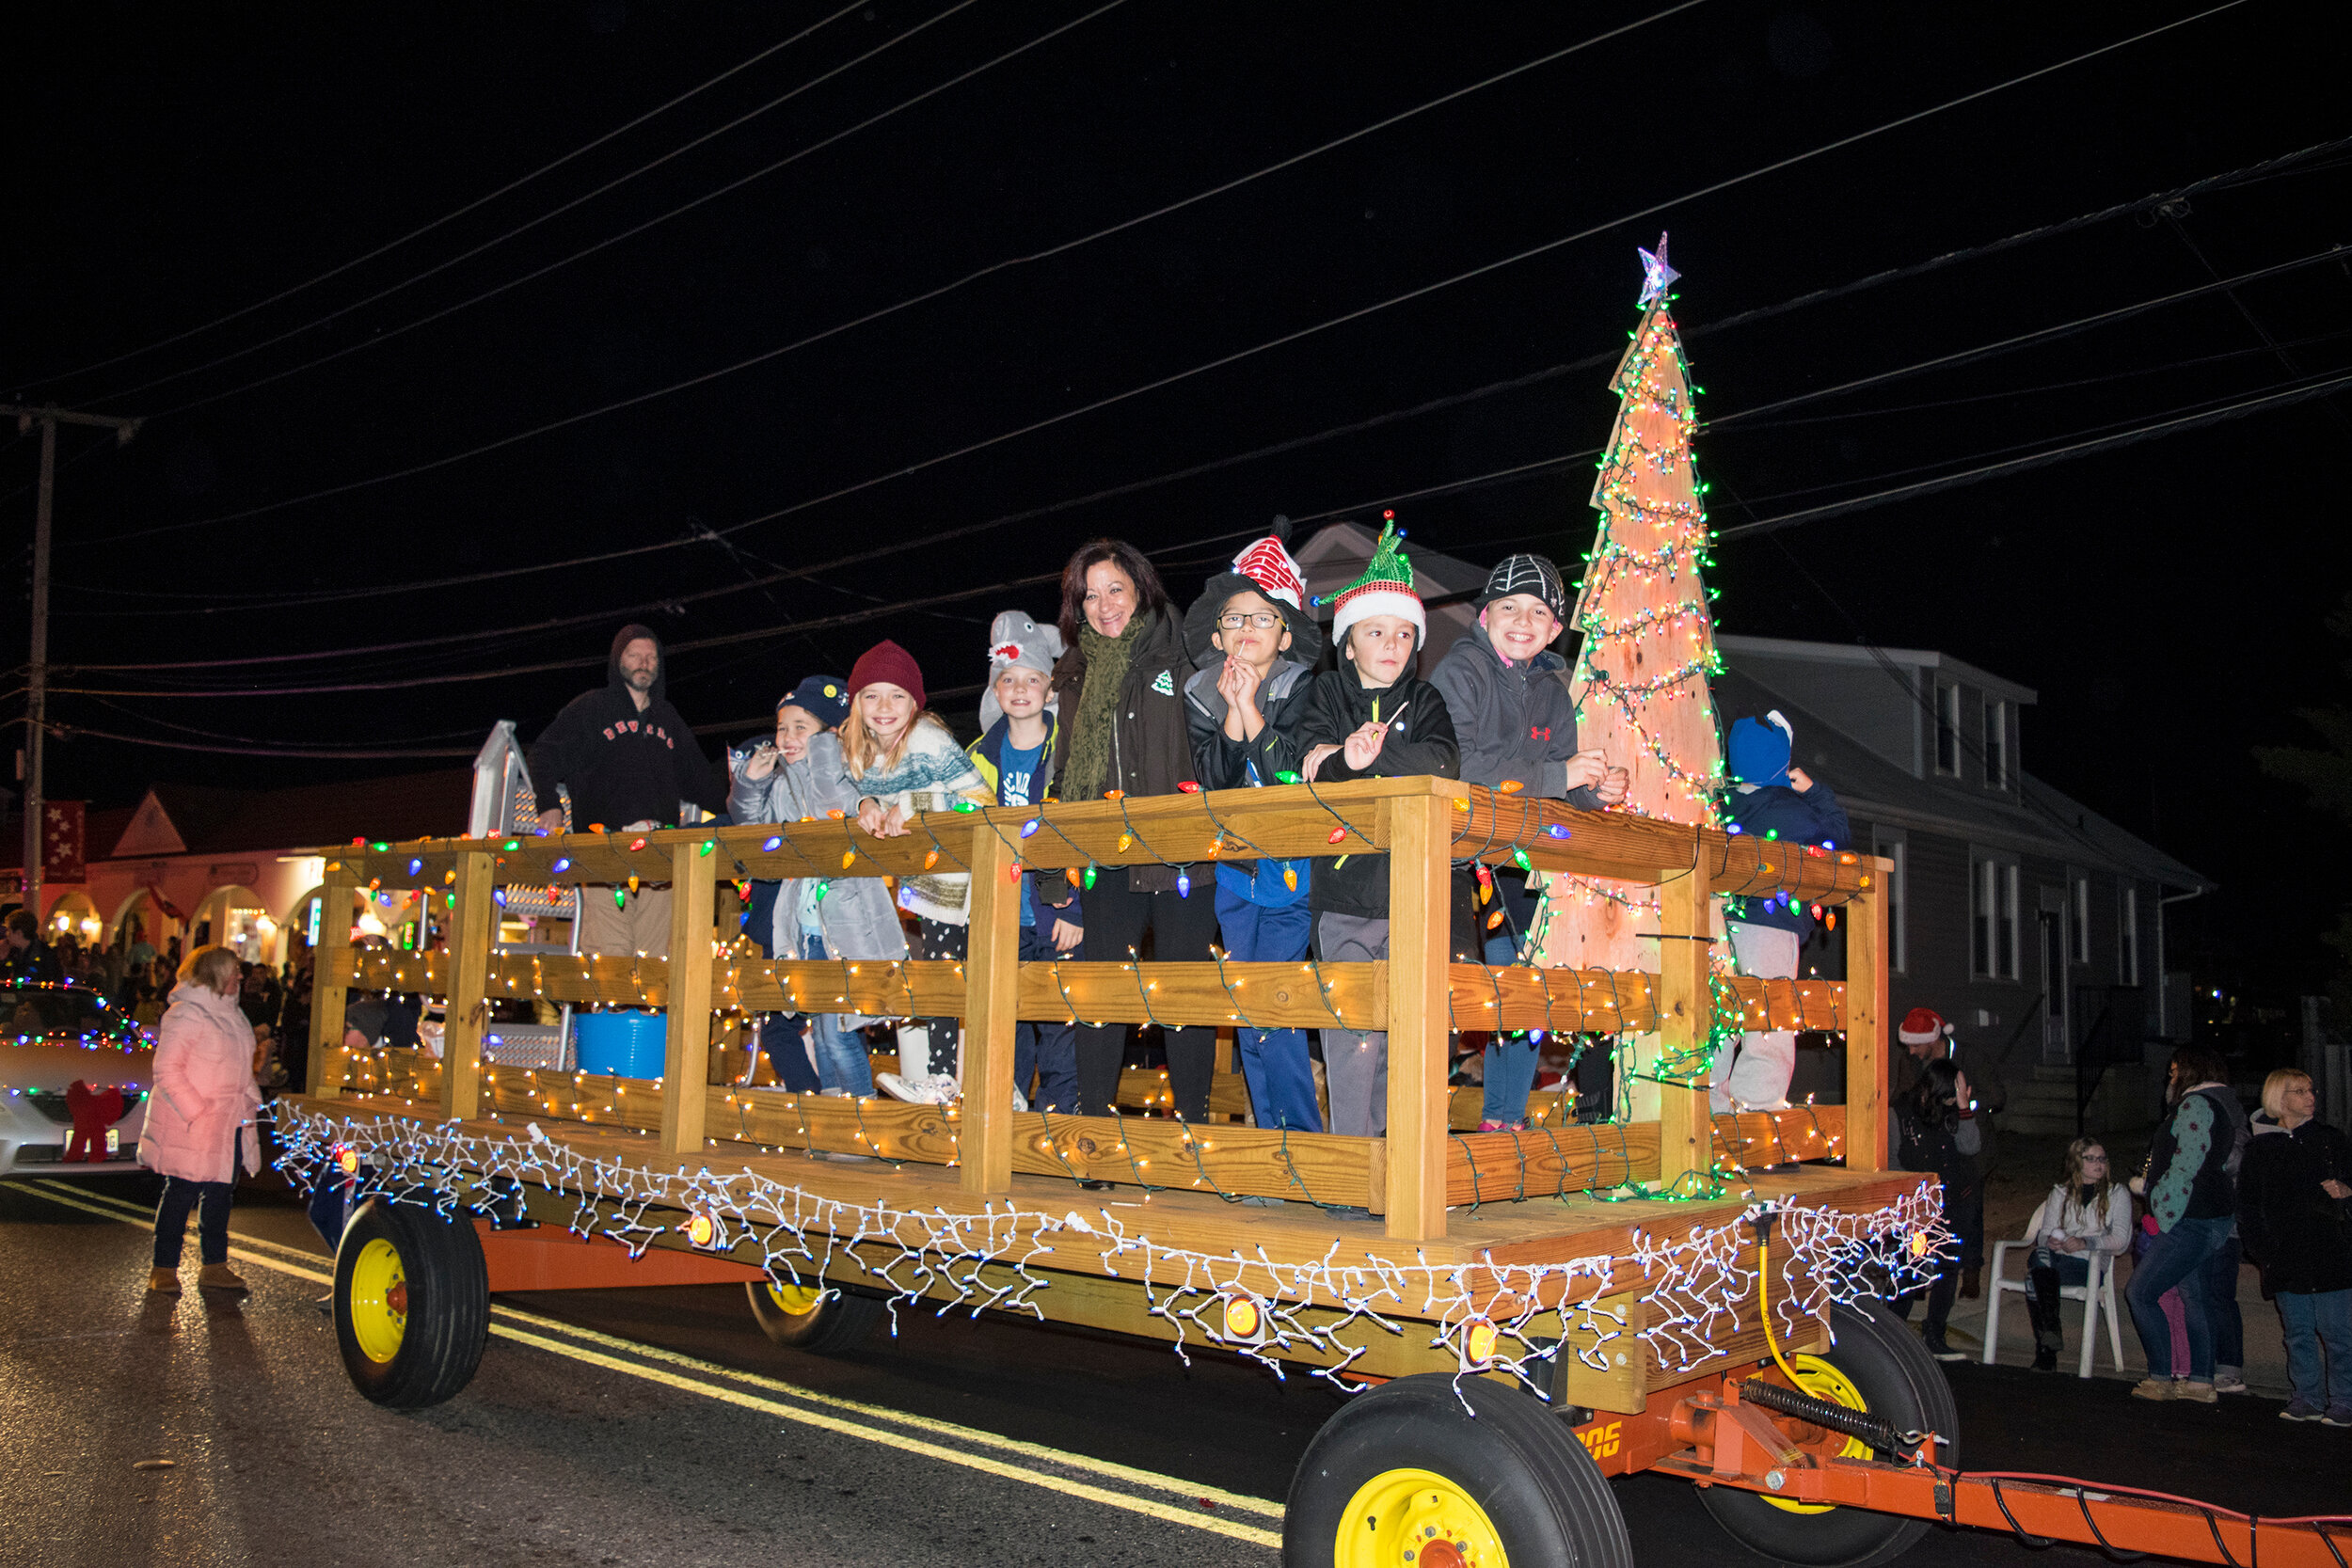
{"x": 1938, "y": 1136}
{"x": 2191, "y": 1189}
{"x": 1122, "y": 686}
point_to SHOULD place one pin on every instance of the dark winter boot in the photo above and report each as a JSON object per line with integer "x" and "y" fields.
{"x": 2042, "y": 1310}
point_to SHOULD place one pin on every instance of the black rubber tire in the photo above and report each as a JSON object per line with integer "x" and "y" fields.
{"x": 1869, "y": 1353}
{"x": 448, "y": 1318}
{"x": 841, "y": 1322}
{"x": 1547, "y": 1499}
{"x": 1927, "y": 1378}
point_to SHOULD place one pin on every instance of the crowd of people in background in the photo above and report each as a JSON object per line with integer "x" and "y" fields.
{"x": 136, "y": 975}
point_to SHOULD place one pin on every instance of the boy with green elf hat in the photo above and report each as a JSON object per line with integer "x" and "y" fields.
{"x": 1370, "y": 718}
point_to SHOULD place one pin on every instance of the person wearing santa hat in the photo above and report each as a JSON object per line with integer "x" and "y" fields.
{"x": 1256, "y": 647}
{"x": 1926, "y": 1037}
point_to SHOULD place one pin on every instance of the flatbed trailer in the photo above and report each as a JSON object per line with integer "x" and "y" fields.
{"x": 1517, "y": 1316}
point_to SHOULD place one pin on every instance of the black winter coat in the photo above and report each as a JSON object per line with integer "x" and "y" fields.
{"x": 1420, "y": 743}
{"x": 2300, "y": 1236}
{"x": 1151, "y": 747}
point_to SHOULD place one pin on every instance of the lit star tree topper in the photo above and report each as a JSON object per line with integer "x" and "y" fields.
{"x": 1647, "y": 640}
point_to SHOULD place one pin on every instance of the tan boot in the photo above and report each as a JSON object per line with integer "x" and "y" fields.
{"x": 164, "y": 1282}
{"x": 219, "y": 1276}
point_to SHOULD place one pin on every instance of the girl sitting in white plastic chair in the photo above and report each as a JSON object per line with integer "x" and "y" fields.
{"x": 2086, "y": 1216}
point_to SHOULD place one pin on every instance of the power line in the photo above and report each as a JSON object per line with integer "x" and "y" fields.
{"x": 1944, "y": 361}
{"x": 2297, "y": 384}
{"x": 583, "y": 199}
{"x": 455, "y": 213}
{"x": 75, "y": 732}
{"x": 215, "y": 602}
{"x": 796, "y": 628}
{"x": 1005, "y": 264}
{"x": 2041, "y": 459}
{"x": 1528, "y": 470}
{"x": 903, "y": 470}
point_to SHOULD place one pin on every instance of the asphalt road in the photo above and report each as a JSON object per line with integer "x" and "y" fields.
{"x": 659, "y": 1427}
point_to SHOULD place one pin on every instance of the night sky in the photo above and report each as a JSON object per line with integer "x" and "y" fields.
{"x": 174, "y": 166}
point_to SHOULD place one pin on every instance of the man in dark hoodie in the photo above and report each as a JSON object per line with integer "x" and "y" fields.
{"x": 626, "y": 761}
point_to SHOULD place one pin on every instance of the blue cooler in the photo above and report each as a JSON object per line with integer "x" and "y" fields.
{"x": 631, "y": 1045}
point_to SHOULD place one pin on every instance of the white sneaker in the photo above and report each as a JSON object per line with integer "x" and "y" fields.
{"x": 1020, "y": 1101}
{"x": 920, "y": 1089}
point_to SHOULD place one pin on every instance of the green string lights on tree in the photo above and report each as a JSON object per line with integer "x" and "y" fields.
{"x": 1645, "y": 655}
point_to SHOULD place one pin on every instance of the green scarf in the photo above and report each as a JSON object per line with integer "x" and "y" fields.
{"x": 1085, "y": 773}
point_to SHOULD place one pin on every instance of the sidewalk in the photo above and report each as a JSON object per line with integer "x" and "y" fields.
{"x": 2265, "y": 1352}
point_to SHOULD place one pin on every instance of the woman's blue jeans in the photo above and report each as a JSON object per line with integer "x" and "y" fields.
{"x": 2311, "y": 1320}
{"x": 2181, "y": 1257}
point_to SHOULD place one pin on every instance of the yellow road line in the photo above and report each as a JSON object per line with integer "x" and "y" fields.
{"x": 1236, "y": 1500}
{"x": 1233, "y": 1529}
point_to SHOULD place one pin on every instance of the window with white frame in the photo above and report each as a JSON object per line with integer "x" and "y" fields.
{"x": 1888, "y": 844}
{"x": 1946, "y": 729}
{"x": 2127, "y": 945}
{"x": 2080, "y": 948}
{"x": 1996, "y": 744}
{"x": 1993, "y": 890}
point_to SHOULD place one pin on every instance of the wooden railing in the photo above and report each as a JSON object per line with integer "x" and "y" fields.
{"x": 1417, "y": 995}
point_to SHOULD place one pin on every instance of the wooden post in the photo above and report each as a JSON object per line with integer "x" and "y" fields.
{"x": 1866, "y": 1026}
{"x": 991, "y": 990}
{"x": 685, "y": 1064}
{"x": 1686, "y": 1015}
{"x": 327, "y": 994}
{"x": 1420, "y": 835}
{"x": 470, "y": 928}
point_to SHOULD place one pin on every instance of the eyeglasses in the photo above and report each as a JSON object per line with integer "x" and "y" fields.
{"x": 1260, "y": 621}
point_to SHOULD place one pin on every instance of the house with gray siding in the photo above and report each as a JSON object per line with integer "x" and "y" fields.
{"x": 2032, "y": 923}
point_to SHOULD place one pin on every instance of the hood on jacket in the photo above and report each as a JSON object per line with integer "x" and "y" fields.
{"x": 622, "y": 638}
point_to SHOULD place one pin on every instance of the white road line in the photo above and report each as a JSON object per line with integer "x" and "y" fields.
{"x": 1214, "y": 1497}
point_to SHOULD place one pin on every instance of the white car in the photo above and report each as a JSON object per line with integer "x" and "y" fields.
{"x": 64, "y": 1047}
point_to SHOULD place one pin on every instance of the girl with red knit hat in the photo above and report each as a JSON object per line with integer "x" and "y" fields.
{"x": 901, "y": 758}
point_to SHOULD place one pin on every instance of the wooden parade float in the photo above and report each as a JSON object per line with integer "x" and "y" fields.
{"x": 1514, "y": 1316}
{"x": 1551, "y": 1306}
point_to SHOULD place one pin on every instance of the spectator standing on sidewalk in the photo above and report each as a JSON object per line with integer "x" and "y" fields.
{"x": 2191, "y": 1188}
{"x": 2295, "y": 1214}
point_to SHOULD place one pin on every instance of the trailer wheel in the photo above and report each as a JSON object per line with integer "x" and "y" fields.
{"x": 412, "y": 1304}
{"x": 1404, "y": 1475}
{"x": 810, "y": 1318}
{"x": 1927, "y": 1377}
{"x": 1865, "y": 1369}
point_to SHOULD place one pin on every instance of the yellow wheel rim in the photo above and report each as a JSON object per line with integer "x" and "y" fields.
{"x": 1416, "y": 1519}
{"x": 1823, "y": 1381}
{"x": 379, "y": 1300}
{"x": 797, "y": 1301}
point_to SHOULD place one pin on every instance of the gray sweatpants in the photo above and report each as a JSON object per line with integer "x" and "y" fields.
{"x": 1354, "y": 1063}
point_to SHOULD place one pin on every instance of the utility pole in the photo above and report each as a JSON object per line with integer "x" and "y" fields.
{"x": 36, "y": 677}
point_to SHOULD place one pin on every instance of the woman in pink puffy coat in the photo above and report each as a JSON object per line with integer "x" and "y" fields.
{"x": 200, "y": 1116}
